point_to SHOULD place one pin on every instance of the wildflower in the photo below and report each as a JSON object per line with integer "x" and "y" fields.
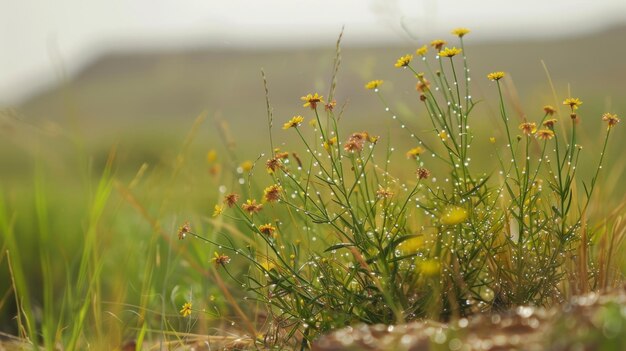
{"x": 373, "y": 84}
{"x": 282, "y": 155}
{"x": 353, "y": 146}
{"x": 422, "y": 51}
{"x": 183, "y": 230}
{"x": 231, "y": 199}
{"x": 492, "y": 140}
{"x": 430, "y": 267}
{"x": 267, "y": 229}
{"x": 246, "y": 165}
{"x": 453, "y": 215}
{"x": 449, "y": 52}
{"x": 438, "y": 44}
{"x": 313, "y": 122}
{"x": 412, "y": 245}
{"x": 217, "y": 210}
{"x": 220, "y": 260}
{"x": 545, "y": 134}
{"x": 414, "y": 152}
{"x": 186, "y": 310}
{"x": 443, "y": 136}
{"x": 404, "y": 60}
{"x": 495, "y": 75}
{"x": 422, "y": 173}
{"x": 330, "y": 106}
{"x": 273, "y": 164}
{"x": 573, "y": 103}
{"x": 294, "y": 122}
{"x": 211, "y": 156}
{"x": 373, "y": 138}
{"x": 549, "y": 123}
{"x": 611, "y": 119}
{"x": 330, "y": 142}
{"x": 272, "y": 193}
{"x": 251, "y": 207}
{"x": 383, "y": 193}
{"x": 423, "y": 85}
{"x": 549, "y": 110}
{"x": 266, "y": 264}
{"x": 528, "y": 128}
{"x": 460, "y": 32}
{"x": 312, "y": 100}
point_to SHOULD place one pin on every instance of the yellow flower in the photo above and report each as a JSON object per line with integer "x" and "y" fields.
{"x": 414, "y": 152}
{"x": 404, "y": 60}
{"x": 312, "y": 100}
{"x": 246, "y": 166}
{"x": 220, "y": 260}
{"x": 443, "y": 135}
{"x": 266, "y": 264}
{"x": 422, "y": 51}
{"x": 611, "y": 119}
{"x": 211, "y": 156}
{"x": 217, "y": 210}
{"x": 545, "y": 134}
{"x": 294, "y": 122}
{"x": 251, "y": 207}
{"x": 492, "y": 140}
{"x": 573, "y": 103}
{"x": 453, "y": 215}
{"x": 430, "y": 267}
{"x": 330, "y": 142}
{"x": 528, "y": 128}
{"x": 267, "y": 229}
{"x": 460, "y": 32}
{"x": 272, "y": 193}
{"x": 549, "y": 122}
{"x": 438, "y": 44}
{"x": 411, "y": 246}
{"x": 449, "y": 52}
{"x": 313, "y": 122}
{"x": 186, "y": 310}
{"x": 373, "y": 84}
{"x": 495, "y": 75}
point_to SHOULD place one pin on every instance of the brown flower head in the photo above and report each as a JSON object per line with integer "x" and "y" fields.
{"x": 267, "y": 229}
{"x": 183, "y": 230}
{"x": 423, "y": 85}
{"x": 550, "y": 123}
{"x": 220, "y": 260}
{"x": 528, "y": 128}
{"x": 611, "y": 119}
{"x": 383, "y": 193}
{"x": 272, "y": 193}
{"x": 273, "y": 164}
{"x": 438, "y": 44}
{"x": 231, "y": 199}
{"x": 330, "y": 106}
{"x": 549, "y": 110}
{"x": 422, "y": 173}
{"x": 251, "y": 207}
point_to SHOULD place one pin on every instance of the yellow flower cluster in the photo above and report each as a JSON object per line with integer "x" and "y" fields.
{"x": 449, "y": 52}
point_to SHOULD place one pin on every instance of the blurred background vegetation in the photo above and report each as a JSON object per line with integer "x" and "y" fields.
{"x": 75, "y": 227}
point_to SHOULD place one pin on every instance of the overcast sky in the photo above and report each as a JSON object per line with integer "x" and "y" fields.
{"x": 39, "y": 37}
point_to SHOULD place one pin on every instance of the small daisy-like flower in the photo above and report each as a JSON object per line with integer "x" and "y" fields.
{"x": 211, "y": 156}
{"x": 373, "y": 138}
{"x": 453, "y": 215}
{"x": 549, "y": 110}
{"x": 438, "y": 44}
{"x": 217, "y": 210}
{"x": 550, "y": 123}
{"x": 611, "y": 119}
{"x": 495, "y": 75}
{"x": 312, "y": 100}
{"x": 273, "y": 164}
{"x": 330, "y": 106}
{"x": 414, "y": 152}
{"x": 404, "y": 61}
{"x": 449, "y": 52}
{"x": 183, "y": 230}
{"x": 294, "y": 122}
{"x": 573, "y": 103}
{"x": 272, "y": 193}
{"x": 422, "y": 51}
{"x": 443, "y": 136}
{"x": 422, "y": 173}
{"x": 373, "y": 84}
{"x": 460, "y": 32}
{"x": 528, "y": 128}
{"x": 423, "y": 85}
{"x": 246, "y": 166}
{"x": 186, "y": 310}
{"x": 267, "y": 229}
{"x": 545, "y": 134}
{"x": 231, "y": 199}
{"x": 330, "y": 142}
{"x": 383, "y": 193}
{"x": 251, "y": 207}
{"x": 220, "y": 260}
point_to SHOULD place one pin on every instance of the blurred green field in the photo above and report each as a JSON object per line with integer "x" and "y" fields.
{"x": 76, "y": 225}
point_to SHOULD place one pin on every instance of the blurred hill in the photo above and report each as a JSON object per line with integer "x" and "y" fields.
{"x": 147, "y": 96}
